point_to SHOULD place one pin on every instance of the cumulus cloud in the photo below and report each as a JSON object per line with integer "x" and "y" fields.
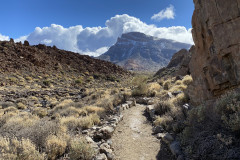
{"x": 167, "y": 13}
{"x": 94, "y": 41}
{"x": 21, "y": 39}
{"x": 3, "y": 38}
{"x": 64, "y": 38}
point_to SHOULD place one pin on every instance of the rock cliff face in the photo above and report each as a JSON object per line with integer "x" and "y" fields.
{"x": 215, "y": 65}
{"x": 140, "y": 52}
{"x": 179, "y": 64}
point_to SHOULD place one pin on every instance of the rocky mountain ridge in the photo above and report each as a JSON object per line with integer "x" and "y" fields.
{"x": 139, "y": 52}
{"x": 18, "y": 57}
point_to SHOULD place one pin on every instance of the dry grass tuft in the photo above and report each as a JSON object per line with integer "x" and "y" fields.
{"x": 19, "y": 149}
{"x": 73, "y": 123}
{"x": 187, "y": 80}
{"x": 55, "y": 146}
{"x": 94, "y": 109}
{"x": 80, "y": 149}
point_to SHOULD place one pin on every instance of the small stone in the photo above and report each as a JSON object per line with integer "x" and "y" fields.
{"x": 158, "y": 129}
{"x": 89, "y": 139}
{"x": 85, "y": 132}
{"x": 101, "y": 157}
{"x": 170, "y": 95}
{"x": 175, "y": 93}
{"x": 110, "y": 156}
{"x": 151, "y": 102}
{"x": 130, "y": 103}
{"x": 109, "y": 142}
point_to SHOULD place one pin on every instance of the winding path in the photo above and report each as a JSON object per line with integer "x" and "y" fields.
{"x": 133, "y": 139}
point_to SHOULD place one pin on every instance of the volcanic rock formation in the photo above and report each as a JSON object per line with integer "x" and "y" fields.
{"x": 215, "y": 64}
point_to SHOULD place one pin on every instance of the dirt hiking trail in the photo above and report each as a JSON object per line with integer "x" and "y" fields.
{"x": 133, "y": 139}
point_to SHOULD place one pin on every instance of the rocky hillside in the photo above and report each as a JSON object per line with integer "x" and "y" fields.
{"x": 140, "y": 52}
{"x": 215, "y": 64}
{"x": 18, "y": 57}
{"x": 178, "y": 65}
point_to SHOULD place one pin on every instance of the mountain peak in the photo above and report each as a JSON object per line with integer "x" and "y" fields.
{"x": 137, "y": 51}
{"x": 136, "y": 36}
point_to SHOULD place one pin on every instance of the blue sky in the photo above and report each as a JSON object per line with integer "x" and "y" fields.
{"x": 21, "y": 17}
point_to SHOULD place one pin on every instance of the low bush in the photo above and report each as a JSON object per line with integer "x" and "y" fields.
{"x": 73, "y": 123}
{"x": 55, "y": 146}
{"x": 167, "y": 84}
{"x": 141, "y": 90}
{"x": 163, "y": 121}
{"x": 229, "y": 109}
{"x": 80, "y": 149}
{"x": 39, "y": 111}
{"x": 163, "y": 107}
{"x": 187, "y": 80}
{"x": 19, "y": 149}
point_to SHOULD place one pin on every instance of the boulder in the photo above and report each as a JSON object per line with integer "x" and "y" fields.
{"x": 125, "y": 106}
{"x": 130, "y": 103}
{"x": 175, "y": 148}
{"x": 151, "y": 111}
{"x": 166, "y": 137}
{"x": 26, "y": 43}
{"x": 107, "y": 132}
{"x": 143, "y": 100}
{"x": 105, "y": 148}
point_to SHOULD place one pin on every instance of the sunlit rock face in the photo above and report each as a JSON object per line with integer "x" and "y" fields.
{"x": 215, "y": 64}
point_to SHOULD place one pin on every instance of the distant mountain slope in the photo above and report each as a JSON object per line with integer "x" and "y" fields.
{"x": 137, "y": 51}
{"x": 18, "y": 57}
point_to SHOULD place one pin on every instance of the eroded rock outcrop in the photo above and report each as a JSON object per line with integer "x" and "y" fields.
{"x": 179, "y": 64}
{"x": 215, "y": 65}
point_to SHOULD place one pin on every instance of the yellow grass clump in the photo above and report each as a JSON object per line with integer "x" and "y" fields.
{"x": 19, "y": 149}
{"x": 55, "y": 146}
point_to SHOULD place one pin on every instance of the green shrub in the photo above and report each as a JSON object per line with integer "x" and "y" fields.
{"x": 229, "y": 109}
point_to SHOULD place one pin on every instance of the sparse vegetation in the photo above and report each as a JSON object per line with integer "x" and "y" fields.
{"x": 80, "y": 149}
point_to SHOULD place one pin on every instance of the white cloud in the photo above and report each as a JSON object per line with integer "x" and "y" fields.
{"x": 167, "y": 13}
{"x": 96, "y": 53}
{"x": 3, "y": 38}
{"x": 22, "y": 39}
{"x": 94, "y": 41}
{"x": 64, "y": 38}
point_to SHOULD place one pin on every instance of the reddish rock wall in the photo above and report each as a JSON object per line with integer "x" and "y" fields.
{"x": 215, "y": 65}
